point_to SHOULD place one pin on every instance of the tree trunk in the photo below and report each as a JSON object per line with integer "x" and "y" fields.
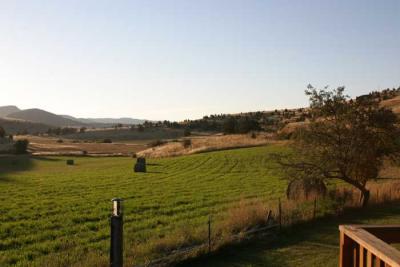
{"x": 364, "y": 197}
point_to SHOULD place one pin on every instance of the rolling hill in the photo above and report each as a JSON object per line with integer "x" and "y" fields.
{"x": 19, "y": 126}
{"x": 104, "y": 122}
{"x": 6, "y": 110}
{"x": 45, "y": 117}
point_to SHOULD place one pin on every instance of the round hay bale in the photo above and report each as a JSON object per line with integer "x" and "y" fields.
{"x": 139, "y": 167}
{"x": 300, "y": 189}
{"x": 141, "y": 160}
{"x": 70, "y": 162}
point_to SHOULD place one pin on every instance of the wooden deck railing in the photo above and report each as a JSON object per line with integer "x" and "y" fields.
{"x": 368, "y": 246}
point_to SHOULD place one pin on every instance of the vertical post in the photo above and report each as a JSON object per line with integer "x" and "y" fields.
{"x": 209, "y": 234}
{"x": 116, "y": 248}
{"x": 315, "y": 208}
{"x": 268, "y": 216}
{"x": 280, "y": 214}
{"x": 377, "y": 195}
{"x": 346, "y": 251}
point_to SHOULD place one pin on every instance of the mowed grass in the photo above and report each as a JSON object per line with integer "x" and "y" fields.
{"x": 49, "y": 210}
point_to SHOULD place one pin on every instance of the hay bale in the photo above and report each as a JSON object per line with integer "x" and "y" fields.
{"x": 141, "y": 160}
{"x": 139, "y": 167}
{"x": 70, "y": 162}
{"x": 308, "y": 189}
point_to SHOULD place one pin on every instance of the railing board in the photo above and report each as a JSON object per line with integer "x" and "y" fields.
{"x": 372, "y": 244}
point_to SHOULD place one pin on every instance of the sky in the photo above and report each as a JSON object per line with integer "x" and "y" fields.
{"x": 176, "y": 60}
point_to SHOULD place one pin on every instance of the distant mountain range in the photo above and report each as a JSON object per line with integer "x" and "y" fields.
{"x": 48, "y": 119}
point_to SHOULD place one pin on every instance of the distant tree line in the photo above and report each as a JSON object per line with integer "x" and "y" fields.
{"x": 61, "y": 131}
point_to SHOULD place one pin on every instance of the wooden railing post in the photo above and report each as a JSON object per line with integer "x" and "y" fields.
{"x": 369, "y": 245}
{"x": 346, "y": 252}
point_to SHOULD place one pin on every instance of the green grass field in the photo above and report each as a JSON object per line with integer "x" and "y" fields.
{"x": 59, "y": 213}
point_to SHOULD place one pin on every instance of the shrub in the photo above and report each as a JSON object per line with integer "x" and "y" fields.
{"x": 157, "y": 143}
{"x": 107, "y": 141}
{"x": 21, "y": 146}
{"x": 60, "y": 141}
{"x": 2, "y": 132}
{"x": 187, "y": 132}
{"x": 70, "y": 162}
{"x": 187, "y": 143}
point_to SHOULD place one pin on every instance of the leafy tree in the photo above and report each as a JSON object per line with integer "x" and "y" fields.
{"x": 345, "y": 139}
{"x": 187, "y": 132}
{"x": 230, "y": 125}
{"x": 21, "y": 146}
{"x": 245, "y": 125}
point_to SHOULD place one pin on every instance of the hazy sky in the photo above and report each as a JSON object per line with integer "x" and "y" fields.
{"x": 185, "y": 59}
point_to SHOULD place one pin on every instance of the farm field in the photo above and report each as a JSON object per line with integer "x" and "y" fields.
{"x": 51, "y": 212}
{"x": 52, "y": 146}
{"x": 305, "y": 245}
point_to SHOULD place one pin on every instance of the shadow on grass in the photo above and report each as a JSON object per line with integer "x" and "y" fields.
{"x": 153, "y": 164}
{"x": 312, "y": 243}
{"x": 17, "y": 163}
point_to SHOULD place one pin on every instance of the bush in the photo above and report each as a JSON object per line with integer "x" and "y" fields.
{"x": 187, "y": 132}
{"x": 187, "y": 143}
{"x": 21, "y": 146}
{"x": 157, "y": 143}
{"x": 107, "y": 141}
{"x": 60, "y": 141}
{"x": 2, "y": 132}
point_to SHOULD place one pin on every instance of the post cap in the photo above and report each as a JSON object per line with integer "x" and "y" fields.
{"x": 117, "y": 206}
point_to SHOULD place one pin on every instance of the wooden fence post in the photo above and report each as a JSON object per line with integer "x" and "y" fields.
{"x": 280, "y": 214}
{"x": 209, "y": 234}
{"x": 315, "y": 208}
{"x": 268, "y": 216}
{"x": 116, "y": 246}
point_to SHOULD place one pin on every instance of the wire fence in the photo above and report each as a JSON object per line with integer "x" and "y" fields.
{"x": 281, "y": 214}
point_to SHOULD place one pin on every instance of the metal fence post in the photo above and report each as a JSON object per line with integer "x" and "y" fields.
{"x": 116, "y": 248}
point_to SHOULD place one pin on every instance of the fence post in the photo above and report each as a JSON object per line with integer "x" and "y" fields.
{"x": 116, "y": 248}
{"x": 280, "y": 214}
{"x": 315, "y": 208}
{"x": 268, "y": 216}
{"x": 209, "y": 234}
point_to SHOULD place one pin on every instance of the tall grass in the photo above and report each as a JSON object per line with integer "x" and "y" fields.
{"x": 249, "y": 214}
{"x": 206, "y": 144}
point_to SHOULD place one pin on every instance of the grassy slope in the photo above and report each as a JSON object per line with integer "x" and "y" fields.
{"x": 311, "y": 244}
{"x": 49, "y": 208}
